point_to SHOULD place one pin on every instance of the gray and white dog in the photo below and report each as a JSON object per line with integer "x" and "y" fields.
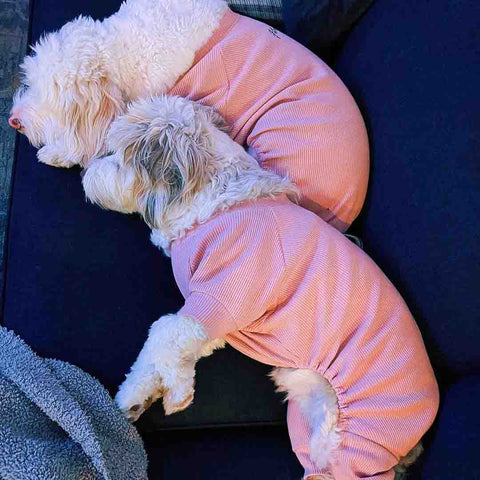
{"x": 174, "y": 163}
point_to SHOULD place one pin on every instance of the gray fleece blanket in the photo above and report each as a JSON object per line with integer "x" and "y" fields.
{"x": 59, "y": 423}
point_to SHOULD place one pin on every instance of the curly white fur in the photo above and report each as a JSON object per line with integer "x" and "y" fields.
{"x": 82, "y": 76}
{"x": 318, "y": 402}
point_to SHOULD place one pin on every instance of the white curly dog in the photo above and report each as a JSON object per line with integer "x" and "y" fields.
{"x": 80, "y": 78}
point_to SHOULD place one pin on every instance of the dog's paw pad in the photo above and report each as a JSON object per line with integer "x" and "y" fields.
{"x": 134, "y": 413}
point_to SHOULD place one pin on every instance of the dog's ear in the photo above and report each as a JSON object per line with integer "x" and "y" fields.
{"x": 209, "y": 115}
{"x": 175, "y": 158}
{"x": 90, "y": 106}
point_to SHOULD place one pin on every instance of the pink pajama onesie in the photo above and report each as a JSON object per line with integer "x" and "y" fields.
{"x": 285, "y": 288}
{"x": 289, "y": 108}
{"x": 296, "y": 117}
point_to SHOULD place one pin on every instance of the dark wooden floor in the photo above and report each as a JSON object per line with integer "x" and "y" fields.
{"x": 13, "y": 45}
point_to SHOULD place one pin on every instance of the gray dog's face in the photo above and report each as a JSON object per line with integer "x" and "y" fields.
{"x": 163, "y": 154}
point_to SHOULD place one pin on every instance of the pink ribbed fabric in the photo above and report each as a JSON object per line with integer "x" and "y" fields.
{"x": 285, "y": 288}
{"x": 289, "y": 108}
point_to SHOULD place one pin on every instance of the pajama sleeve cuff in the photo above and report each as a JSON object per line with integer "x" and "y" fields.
{"x": 208, "y": 311}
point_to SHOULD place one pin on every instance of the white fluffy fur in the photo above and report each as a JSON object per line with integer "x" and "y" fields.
{"x": 318, "y": 402}
{"x": 82, "y": 76}
{"x": 165, "y": 367}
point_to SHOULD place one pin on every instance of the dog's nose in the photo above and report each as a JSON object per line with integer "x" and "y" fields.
{"x": 15, "y": 123}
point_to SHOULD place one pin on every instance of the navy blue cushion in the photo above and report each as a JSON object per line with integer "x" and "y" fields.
{"x": 83, "y": 285}
{"x": 453, "y": 445}
{"x": 255, "y": 453}
{"x": 414, "y": 68}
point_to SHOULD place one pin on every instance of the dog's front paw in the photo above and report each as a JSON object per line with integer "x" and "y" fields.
{"x": 144, "y": 387}
{"x": 138, "y": 392}
{"x": 51, "y": 155}
{"x": 178, "y": 398}
{"x": 134, "y": 412}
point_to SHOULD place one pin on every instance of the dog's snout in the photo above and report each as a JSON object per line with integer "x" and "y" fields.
{"x": 15, "y": 123}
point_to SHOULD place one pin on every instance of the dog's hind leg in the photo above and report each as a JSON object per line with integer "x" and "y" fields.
{"x": 312, "y": 418}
